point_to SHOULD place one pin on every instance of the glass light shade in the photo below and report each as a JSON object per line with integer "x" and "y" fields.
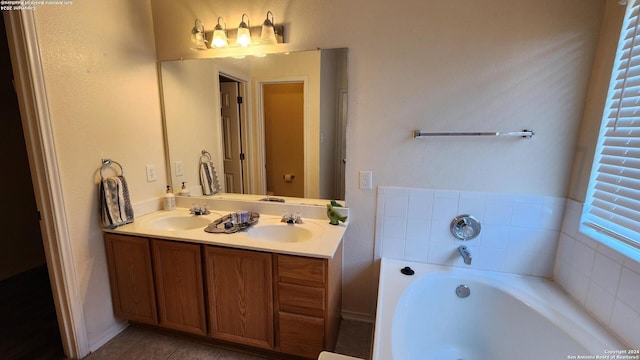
{"x": 244, "y": 37}
{"x": 198, "y": 41}
{"x": 198, "y": 37}
{"x": 268, "y": 35}
{"x": 219, "y": 39}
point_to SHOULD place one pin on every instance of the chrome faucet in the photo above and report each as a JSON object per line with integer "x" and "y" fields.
{"x": 465, "y": 253}
{"x": 291, "y": 218}
{"x": 199, "y": 210}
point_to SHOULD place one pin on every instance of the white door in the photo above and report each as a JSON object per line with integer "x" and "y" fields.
{"x": 231, "y": 134}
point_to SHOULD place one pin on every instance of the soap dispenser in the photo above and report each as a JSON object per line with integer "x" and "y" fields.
{"x": 184, "y": 191}
{"x": 169, "y": 200}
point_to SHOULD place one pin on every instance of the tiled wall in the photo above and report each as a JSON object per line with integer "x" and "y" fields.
{"x": 519, "y": 232}
{"x": 606, "y": 282}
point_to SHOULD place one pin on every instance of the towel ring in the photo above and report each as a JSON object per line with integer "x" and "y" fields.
{"x": 205, "y": 154}
{"x": 109, "y": 163}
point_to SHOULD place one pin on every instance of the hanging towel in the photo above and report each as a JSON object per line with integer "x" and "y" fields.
{"x": 115, "y": 202}
{"x": 208, "y": 178}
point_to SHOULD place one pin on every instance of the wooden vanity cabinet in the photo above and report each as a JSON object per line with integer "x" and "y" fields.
{"x": 177, "y": 267}
{"x": 131, "y": 278}
{"x": 283, "y": 303}
{"x": 307, "y": 303}
{"x": 240, "y": 296}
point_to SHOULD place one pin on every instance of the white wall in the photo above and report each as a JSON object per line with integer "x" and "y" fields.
{"x": 102, "y": 87}
{"x": 498, "y": 65}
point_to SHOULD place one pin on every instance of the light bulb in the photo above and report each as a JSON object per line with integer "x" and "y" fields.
{"x": 219, "y": 36}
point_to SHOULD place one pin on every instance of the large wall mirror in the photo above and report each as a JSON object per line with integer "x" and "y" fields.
{"x": 271, "y": 125}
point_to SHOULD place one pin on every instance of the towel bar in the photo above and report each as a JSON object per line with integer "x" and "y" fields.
{"x": 108, "y": 163}
{"x": 206, "y": 154}
{"x": 525, "y": 134}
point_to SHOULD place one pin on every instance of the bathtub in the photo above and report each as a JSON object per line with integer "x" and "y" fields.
{"x": 504, "y": 317}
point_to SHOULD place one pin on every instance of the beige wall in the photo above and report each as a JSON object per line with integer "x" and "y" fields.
{"x": 102, "y": 88}
{"x": 596, "y": 99}
{"x": 495, "y": 65}
{"x": 440, "y": 66}
{"x": 191, "y": 96}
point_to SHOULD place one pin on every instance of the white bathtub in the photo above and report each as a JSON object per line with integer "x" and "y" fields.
{"x": 505, "y": 317}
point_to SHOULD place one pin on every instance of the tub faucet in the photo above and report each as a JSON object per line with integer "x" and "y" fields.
{"x": 465, "y": 253}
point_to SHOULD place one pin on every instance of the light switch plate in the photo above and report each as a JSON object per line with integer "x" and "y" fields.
{"x": 178, "y": 167}
{"x": 151, "y": 173}
{"x": 366, "y": 180}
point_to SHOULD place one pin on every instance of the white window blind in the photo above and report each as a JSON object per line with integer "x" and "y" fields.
{"x": 612, "y": 206}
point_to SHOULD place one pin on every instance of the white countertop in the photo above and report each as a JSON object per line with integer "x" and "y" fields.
{"x": 323, "y": 244}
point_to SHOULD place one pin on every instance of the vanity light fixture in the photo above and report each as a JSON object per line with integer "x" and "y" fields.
{"x": 220, "y": 35}
{"x": 198, "y": 35}
{"x": 268, "y": 34}
{"x": 243, "y": 37}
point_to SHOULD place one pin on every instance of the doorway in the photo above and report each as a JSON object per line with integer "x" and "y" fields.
{"x": 29, "y": 327}
{"x": 283, "y": 111}
{"x": 233, "y": 154}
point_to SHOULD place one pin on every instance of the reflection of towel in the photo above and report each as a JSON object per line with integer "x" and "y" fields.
{"x": 115, "y": 204}
{"x": 208, "y": 178}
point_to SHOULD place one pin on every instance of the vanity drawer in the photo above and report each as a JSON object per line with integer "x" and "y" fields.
{"x": 301, "y": 270}
{"x": 301, "y": 299}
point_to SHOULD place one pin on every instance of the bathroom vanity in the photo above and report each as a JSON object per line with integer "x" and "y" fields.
{"x": 282, "y": 296}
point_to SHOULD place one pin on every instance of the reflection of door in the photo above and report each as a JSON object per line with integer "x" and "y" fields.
{"x": 231, "y": 137}
{"x": 284, "y": 138}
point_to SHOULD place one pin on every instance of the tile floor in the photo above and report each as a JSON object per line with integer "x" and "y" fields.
{"x": 140, "y": 343}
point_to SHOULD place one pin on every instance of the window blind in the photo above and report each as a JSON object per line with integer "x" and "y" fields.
{"x": 612, "y": 206}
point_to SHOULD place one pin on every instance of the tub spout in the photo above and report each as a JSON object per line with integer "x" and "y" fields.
{"x": 465, "y": 253}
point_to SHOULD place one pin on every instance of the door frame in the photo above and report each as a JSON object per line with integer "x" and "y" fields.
{"x": 259, "y": 127}
{"x": 36, "y": 121}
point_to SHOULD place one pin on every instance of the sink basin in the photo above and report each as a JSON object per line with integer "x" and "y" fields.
{"x": 281, "y": 232}
{"x": 179, "y": 222}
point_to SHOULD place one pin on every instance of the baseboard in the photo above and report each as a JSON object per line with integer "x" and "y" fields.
{"x": 112, "y": 332}
{"x": 356, "y": 316}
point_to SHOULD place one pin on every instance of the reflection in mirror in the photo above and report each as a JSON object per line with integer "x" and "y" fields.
{"x": 274, "y": 125}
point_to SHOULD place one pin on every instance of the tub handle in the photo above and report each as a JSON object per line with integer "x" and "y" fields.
{"x": 465, "y": 227}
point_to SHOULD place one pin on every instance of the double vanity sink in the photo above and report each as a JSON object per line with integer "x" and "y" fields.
{"x": 313, "y": 237}
{"x": 268, "y": 230}
{"x": 273, "y": 288}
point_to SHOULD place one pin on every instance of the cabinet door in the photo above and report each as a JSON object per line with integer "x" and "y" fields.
{"x": 301, "y": 335}
{"x": 178, "y": 273}
{"x": 131, "y": 279}
{"x": 240, "y": 295}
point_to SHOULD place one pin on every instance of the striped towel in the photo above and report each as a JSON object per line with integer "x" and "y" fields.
{"x": 208, "y": 178}
{"x": 115, "y": 203}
